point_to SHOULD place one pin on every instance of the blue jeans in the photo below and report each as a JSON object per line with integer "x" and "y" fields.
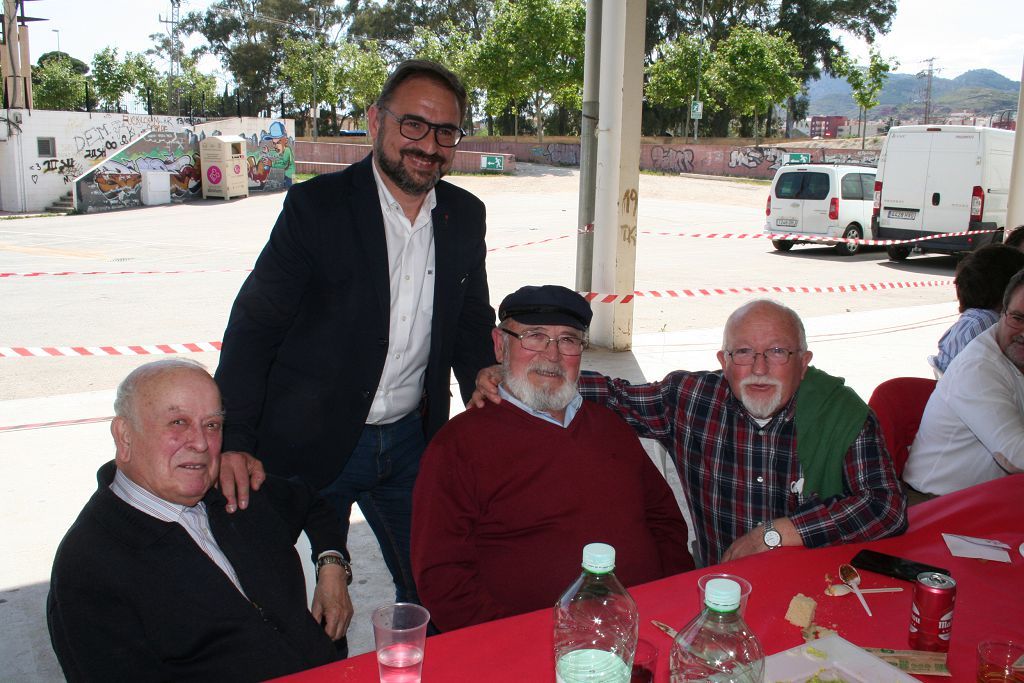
{"x": 380, "y": 476}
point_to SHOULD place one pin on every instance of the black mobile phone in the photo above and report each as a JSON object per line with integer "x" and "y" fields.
{"x": 890, "y": 565}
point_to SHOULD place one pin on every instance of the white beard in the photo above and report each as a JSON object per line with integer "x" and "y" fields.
{"x": 761, "y": 407}
{"x": 541, "y": 399}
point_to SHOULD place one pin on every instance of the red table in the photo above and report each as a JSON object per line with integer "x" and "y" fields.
{"x": 989, "y": 600}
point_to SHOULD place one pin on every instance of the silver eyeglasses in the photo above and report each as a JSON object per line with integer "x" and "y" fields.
{"x": 567, "y": 344}
{"x": 414, "y": 128}
{"x": 773, "y": 356}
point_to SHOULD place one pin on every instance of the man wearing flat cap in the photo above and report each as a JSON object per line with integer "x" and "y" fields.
{"x": 509, "y": 494}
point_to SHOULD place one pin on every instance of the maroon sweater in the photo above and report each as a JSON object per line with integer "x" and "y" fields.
{"x": 505, "y": 502}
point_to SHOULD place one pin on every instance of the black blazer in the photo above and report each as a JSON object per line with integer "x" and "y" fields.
{"x": 305, "y": 344}
{"x": 133, "y": 598}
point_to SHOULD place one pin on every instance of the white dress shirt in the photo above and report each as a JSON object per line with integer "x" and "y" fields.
{"x": 976, "y": 411}
{"x": 194, "y": 519}
{"x": 411, "y": 269}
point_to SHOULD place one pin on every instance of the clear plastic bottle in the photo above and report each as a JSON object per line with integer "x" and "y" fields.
{"x": 717, "y": 645}
{"x": 596, "y": 624}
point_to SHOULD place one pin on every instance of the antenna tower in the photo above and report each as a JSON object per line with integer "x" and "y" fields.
{"x": 174, "y": 70}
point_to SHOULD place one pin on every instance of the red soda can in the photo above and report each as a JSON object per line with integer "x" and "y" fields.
{"x": 931, "y": 614}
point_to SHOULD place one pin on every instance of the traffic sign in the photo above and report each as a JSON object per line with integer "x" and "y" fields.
{"x": 696, "y": 109}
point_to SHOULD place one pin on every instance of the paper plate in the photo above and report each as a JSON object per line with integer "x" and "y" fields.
{"x": 830, "y": 658}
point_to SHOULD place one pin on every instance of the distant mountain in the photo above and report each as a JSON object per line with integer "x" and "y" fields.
{"x": 981, "y": 91}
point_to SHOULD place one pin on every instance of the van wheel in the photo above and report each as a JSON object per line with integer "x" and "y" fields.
{"x": 850, "y": 248}
{"x": 782, "y": 245}
{"x": 898, "y": 252}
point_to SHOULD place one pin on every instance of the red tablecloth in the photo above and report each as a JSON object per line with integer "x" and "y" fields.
{"x": 989, "y": 601}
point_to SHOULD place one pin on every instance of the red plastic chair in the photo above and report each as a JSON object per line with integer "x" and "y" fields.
{"x": 899, "y": 404}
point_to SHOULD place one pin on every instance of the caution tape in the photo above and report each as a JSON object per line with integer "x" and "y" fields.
{"x": 112, "y": 350}
{"x": 125, "y": 272}
{"x": 725, "y": 291}
{"x": 791, "y": 237}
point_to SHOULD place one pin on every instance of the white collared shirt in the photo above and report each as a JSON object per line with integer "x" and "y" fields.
{"x": 194, "y": 519}
{"x": 570, "y": 410}
{"x": 411, "y": 275}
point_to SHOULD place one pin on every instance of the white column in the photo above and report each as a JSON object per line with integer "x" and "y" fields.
{"x": 618, "y": 170}
{"x": 1015, "y": 207}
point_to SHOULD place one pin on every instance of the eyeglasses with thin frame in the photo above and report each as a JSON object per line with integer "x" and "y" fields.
{"x": 533, "y": 340}
{"x": 1014, "y": 320}
{"x": 414, "y": 128}
{"x": 773, "y": 356}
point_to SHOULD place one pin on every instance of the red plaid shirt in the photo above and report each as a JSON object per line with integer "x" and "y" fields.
{"x": 738, "y": 474}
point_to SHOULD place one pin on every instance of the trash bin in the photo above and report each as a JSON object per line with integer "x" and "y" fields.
{"x": 156, "y": 188}
{"x": 223, "y": 166}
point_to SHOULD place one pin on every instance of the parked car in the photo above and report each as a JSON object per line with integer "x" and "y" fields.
{"x": 821, "y": 200}
{"x": 940, "y": 179}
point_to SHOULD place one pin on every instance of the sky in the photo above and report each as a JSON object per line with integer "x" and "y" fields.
{"x": 979, "y": 34}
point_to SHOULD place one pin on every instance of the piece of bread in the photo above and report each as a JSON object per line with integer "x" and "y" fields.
{"x": 801, "y": 610}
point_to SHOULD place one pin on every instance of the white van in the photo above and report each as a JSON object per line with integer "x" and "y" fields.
{"x": 821, "y": 200}
{"x": 939, "y": 179}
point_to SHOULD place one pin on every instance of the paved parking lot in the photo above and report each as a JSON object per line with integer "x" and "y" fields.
{"x": 166, "y": 276}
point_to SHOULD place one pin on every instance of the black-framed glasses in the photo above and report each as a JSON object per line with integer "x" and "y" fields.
{"x": 414, "y": 128}
{"x": 1014, "y": 320}
{"x": 567, "y": 344}
{"x": 773, "y": 356}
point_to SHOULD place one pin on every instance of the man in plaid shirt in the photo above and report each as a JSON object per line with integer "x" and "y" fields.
{"x": 733, "y": 434}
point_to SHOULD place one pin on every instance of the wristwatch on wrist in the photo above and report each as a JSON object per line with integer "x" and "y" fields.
{"x": 772, "y": 537}
{"x": 335, "y": 559}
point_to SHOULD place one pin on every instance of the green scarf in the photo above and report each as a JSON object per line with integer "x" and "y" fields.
{"x": 829, "y": 416}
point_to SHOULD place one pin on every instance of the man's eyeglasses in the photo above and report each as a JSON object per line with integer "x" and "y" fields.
{"x": 415, "y": 128}
{"x": 568, "y": 345}
{"x": 1014, "y": 320}
{"x": 773, "y": 356}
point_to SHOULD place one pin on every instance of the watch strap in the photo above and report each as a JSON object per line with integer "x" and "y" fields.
{"x": 338, "y": 560}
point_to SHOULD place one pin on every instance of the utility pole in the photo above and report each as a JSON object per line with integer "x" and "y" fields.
{"x": 928, "y": 91}
{"x": 174, "y": 71}
{"x": 696, "y": 107}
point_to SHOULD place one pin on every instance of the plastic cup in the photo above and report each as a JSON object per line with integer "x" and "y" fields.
{"x": 745, "y": 588}
{"x": 1000, "y": 661}
{"x": 400, "y": 632}
{"x": 645, "y": 662}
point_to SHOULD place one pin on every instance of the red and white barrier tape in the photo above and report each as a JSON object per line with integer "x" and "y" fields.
{"x": 59, "y": 423}
{"x": 805, "y": 238}
{"x": 126, "y": 272}
{"x": 723, "y": 291}
{"x": 529, "y": 244}
{"x": 119, "y": 350}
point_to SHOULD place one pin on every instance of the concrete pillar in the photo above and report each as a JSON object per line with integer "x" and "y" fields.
{"x": 618, "y": 170}
{"x": 588, "y": 148}
{"x": 1015, "y": 206}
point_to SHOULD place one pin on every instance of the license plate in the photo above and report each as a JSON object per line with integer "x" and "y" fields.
{"x": 786, "y": 222}
{"x": 902, "y": 215}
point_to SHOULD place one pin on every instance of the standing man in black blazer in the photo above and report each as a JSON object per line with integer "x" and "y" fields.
{"x": 372, "y": 288}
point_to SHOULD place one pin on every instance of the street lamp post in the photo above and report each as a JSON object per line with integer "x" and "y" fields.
{"x": 57, "y": 31}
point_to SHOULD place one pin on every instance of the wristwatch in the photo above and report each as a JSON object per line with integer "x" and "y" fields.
{"x": 335, "y": 559}
{"x": 772, "y": 538}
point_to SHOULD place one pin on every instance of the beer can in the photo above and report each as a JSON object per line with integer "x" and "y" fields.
{"x": 931, "y": 613}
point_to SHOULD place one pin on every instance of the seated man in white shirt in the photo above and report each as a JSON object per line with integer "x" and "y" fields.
{"x": 972, "y": 429}
{"x": 155, "y": 581}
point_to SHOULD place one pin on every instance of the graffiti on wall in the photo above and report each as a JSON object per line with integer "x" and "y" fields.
{"x": 271, "y": 158}
{"x": 869, "y": 156}
{"x": 757, "y": 157}
{"x": 67, "y": 168}
{"x": 557, "y": 154}
{"x": 672, "y": 159}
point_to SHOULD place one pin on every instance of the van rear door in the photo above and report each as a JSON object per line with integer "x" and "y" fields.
{"x": 815, "y": 195}
{"x": 786, "y": 207}
{"x": 954, "y": 167}
{"x": 902, "y": 192}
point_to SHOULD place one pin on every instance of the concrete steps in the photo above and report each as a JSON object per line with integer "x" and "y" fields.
{"x": 64, "y": 205}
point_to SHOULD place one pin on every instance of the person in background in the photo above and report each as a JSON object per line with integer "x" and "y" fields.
{"x": 1015, "y": 238}
{"x": 509, "y": 494}
{"x": 338, "y": 354}
{"x": 771, "y": 452}
{"x": 972, "y": 429}
{"x": 155, "y": 581}
{"x": 981, "y": 278}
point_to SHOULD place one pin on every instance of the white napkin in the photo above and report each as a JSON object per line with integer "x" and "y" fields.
{"x": 979, "y": 548}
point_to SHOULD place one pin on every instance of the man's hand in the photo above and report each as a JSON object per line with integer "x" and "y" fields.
{"x": 752, "y": 542}
{"x": 487, "y": 381}
{"x": 332, "y": 606}
{"x": 239, "y": 472}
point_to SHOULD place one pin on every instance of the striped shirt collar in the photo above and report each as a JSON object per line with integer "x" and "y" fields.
{"x": 146, "y": 501}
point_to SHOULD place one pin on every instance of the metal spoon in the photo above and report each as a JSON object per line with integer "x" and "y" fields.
{"x": 842, "y": 589}
{"x": 851, "y": 578}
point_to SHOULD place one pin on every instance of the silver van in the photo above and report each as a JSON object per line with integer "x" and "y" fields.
{"x": 821, "y": 200}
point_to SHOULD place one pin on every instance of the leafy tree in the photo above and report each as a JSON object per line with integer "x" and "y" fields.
{"x": 115, "y": 77}
{"x": 57, "y": 84}
{"x": 753, "y": 71}
{"x": 532, "y": 51}
{"x": 310, "y": 73}
{"x": 395, "y": 24}
{"x": 672, "y": 77}
{"x": 361, "y": 74}
{"x": 865, "y": 82}
{"x": 77, "y": 64}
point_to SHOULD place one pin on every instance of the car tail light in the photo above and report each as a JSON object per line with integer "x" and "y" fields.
{"x": 833, "y": 209}
{"x": 768, "y": 206}
{"x": 977, "y": 204}
{"x": 876, "y": 206}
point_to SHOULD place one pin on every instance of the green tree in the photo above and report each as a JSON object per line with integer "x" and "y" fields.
{"x": 361, "y": 75}
{"x": 77, "y": 64}
{"x": 532, "y": 52}
{"x": 395, "y": 24}
{"x": 866, "y": 83}
{"x": 672, "y": 77}
{"x": 57, "y": 84}
{"x": 115, "y": 77}
{"x": 310, "y": 72}
{"x": 753, "y": 71}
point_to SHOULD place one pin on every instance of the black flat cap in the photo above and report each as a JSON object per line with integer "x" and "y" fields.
{"x": 546, "y": 305}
